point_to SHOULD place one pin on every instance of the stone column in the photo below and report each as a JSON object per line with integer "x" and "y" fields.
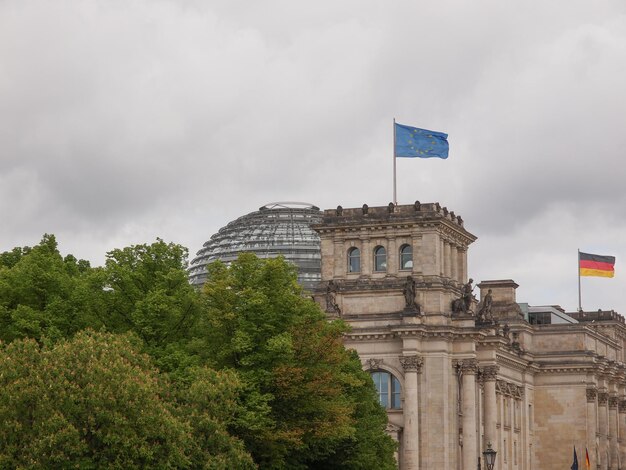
{"x": 412, "y": 366}
{"x": 447, "y": 265}
{"x": 613, "y": 401}
{"x": 489, "y": 375}
{"x": 622, "y": 430}
{"x": 462, "y": 265}
{"x": 454, "y": 258}
{"x": 469, "y": 367}
{"x": 340, "y": 258}
{"x": 393, "y": 256}
{"x": 592, "y": 418}
{"x": 603, "y": 426}
{"x": 367, "y": 256}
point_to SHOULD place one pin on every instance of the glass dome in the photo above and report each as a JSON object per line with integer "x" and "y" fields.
{"x": 279, "y": 228}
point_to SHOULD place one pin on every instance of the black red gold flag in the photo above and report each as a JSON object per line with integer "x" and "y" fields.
{"x": 596, "y": 265}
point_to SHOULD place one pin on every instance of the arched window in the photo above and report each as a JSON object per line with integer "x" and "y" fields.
{"x": 406, "y": 257}
{"x": 380, "y": 259}
{"x": 354, "y": 260}
{"x": 388, "y": 387}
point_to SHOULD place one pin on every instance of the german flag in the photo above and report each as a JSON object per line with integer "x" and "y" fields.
{"x": 596, "y": 265}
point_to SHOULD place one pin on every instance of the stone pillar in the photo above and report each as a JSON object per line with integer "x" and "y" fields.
{"x": 622, "y": 430}
{"x": 393, "y": 256}
{"x": 429, "y": 254}
{"x": 447, "y": 264}
{"x": 613, "y": 401}
{"x": 412, "y": 366}
{"x": 367, "y": 256}
{"x": 603, "y": 427}
{"x": 462, "y": 265}
{"x": 454, "y": 258}
{"x": 490, "y": 374}
{"x": 592, "y": 418}
{"x": 441, "y": 257}
{"x": 469, "y": 367}
{"x": 340, "y": 259}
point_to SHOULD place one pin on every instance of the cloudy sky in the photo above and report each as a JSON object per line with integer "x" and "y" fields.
{"x": 126, "y": 120}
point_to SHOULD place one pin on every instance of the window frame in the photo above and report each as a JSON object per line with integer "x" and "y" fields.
{"x": 402, "y": 254}
{"x": 393, "y": 392}
{"x": 380, "y": 266}
{"x": 354, "y": 254}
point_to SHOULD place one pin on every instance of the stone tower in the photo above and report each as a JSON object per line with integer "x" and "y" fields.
{"x": 394, "y": 273}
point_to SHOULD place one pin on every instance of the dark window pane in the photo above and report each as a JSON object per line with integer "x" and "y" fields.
{"x": 354, "y": 260}
{"x": 380, "y": 259}
{"x": 406, "y": 257}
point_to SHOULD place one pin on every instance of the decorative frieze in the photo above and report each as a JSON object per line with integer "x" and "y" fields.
{"x": 509, "y": 389}
{"x": 411, "y": 363}
{"x": 592, "y": 394}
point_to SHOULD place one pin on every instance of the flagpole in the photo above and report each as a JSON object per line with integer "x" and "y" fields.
{"x": 395, "y": 199}
{"x": 580, "y": 308}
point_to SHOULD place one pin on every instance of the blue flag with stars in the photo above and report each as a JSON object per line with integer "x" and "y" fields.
{"x": 412, "y": 142}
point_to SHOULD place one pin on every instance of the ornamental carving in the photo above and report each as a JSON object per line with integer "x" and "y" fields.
{"x": 373, "y": 364}
{"x": 509, "y": 389}
{"x": 468, "y": 366}
{"x": 622, "y": 406}
{"x": 603, "y": 397}
{"x": 411, "y": 363}
{"x": 613, "y": 402}
{"x": 592, "y": 394}
{"x": 489, "y": 373}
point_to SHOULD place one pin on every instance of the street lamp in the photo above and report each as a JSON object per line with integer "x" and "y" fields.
{"x": 489, "y": 456}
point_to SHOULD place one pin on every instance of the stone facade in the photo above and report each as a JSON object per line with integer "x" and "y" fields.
{"x": 471, "y": 371}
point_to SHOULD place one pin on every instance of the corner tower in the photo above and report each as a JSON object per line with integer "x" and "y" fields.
{"x": 389, "y": 249}
{"x": 395, "y": 274}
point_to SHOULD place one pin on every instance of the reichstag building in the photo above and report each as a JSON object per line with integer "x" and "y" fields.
{"x": 459, "y": 374}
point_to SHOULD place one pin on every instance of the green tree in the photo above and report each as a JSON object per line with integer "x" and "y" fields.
{"x": 95, "y": 402}
{"x": 146, "y": 291}
{"x": 44, "y": 294}
{"x": 306, "y": 400}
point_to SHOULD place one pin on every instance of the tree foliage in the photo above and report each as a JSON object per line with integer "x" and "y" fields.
{"x": 249, "y": 357}
{"x": 302, "y": 389}
{"x": 96, "y": 402}
{"x": 146, "y": 291}
{"x": 43, "y": 294}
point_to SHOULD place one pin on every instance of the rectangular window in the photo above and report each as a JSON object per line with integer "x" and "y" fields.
{"x": 539, "y": 318}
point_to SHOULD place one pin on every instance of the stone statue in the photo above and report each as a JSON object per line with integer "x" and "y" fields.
{"x": 409, "y": 294}
{"x": 506, "y": 332}
{"x": 464, "y": 303}
{"x": 391, "y": 207}
{"x": 339, "y": 210}
{"x": 331, "y": 298}
{"x": 365, "y": 209}
{"x": 468, "y": 296}
{"x": 484, "y": 314}
{"x": 417, "y": 206}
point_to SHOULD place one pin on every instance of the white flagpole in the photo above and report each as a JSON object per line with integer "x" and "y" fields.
{"x": 395, "y": 199}
{"x": 580, "y": 308}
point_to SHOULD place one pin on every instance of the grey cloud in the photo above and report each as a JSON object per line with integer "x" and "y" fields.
{"x": 123, "y": 121}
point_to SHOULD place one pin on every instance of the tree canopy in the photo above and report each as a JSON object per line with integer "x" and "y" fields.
{"x": 247, "y": 372}
{"x": 306, "y": 397}
{"x": 95, "y": 402}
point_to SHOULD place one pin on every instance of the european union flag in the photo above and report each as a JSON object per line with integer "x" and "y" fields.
{"x": 413, "y": 142}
